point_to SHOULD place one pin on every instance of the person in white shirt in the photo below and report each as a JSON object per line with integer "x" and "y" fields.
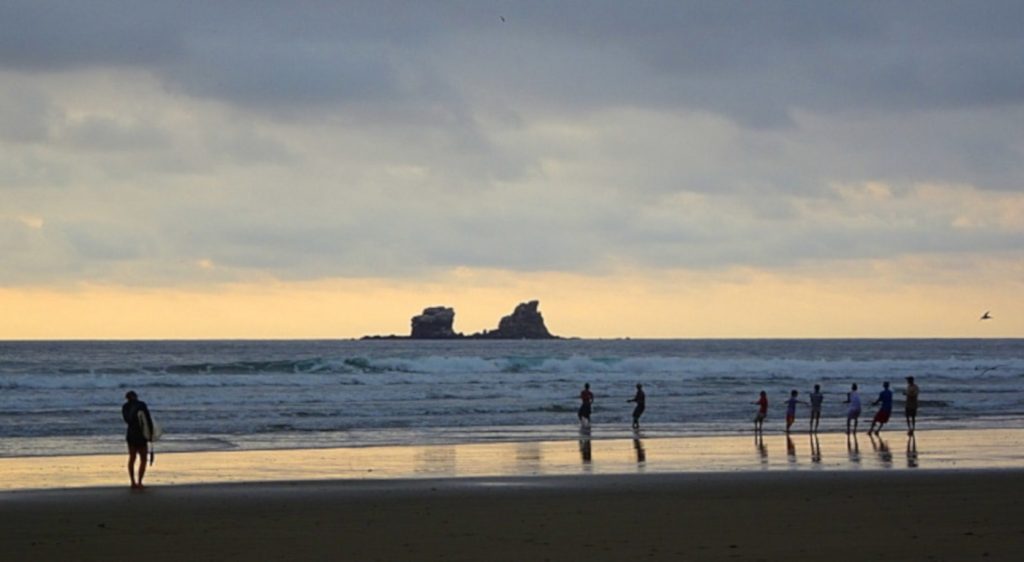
{"x": 816, "y": 399}
{"x": 853, "y": 414}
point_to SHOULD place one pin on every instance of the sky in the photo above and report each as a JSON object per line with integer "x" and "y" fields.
{"x": 257, "y": 169}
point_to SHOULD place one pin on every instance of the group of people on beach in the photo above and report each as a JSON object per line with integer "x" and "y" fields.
{"x": 137, "y": 417}
{"x": 587, "y": 401}
{"x": 884, "y": 403}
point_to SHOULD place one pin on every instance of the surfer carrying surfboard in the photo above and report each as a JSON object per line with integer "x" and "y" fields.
{"x": 140, "y": 424}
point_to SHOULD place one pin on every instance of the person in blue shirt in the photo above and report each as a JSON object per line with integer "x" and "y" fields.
{"x": 884, "y": 411}
{"x": 791, "y": 409}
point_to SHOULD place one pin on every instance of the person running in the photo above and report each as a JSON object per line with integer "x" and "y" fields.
{"x": 910, "y": 409}
{"x": 791, "y": 409}
{"x": 816, "y": 399}
{"x": 138, "y": 443}
{"x": 641, "y": 404}
{"x": 853, "y": 414}
{"x": 762, "y": 412}
{"x": 882, "y": 416}
{"x": 586, "y": 402}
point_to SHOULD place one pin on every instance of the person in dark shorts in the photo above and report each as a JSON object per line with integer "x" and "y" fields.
{"x": 138, "y": 444}
{"x": 910, "y": 409}
{"x": 641, "y": 404}
{"x": 586, "y": 402}
{"x": 884, "y": 411}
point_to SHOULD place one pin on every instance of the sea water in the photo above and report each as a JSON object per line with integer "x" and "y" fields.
{"x": 64, "y": 397}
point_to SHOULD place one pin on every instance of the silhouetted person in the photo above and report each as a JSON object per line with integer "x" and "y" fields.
{"x": 138, "y": 441}
{"x": 641, "y": 403}
{"x": 791, "y": 409}
{"x": 762, "y": 412}
{"x": 586, "y": 404}
{"x": 910, "y": 409}
{"x": 853, "y": 413}
{"x": 884, "y": 411}
{"x": 816, "y": 399}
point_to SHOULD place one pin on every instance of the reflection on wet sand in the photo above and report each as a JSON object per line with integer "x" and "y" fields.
{"x": 585, "y": 452}
{"x": 790, "y": 450}
{"x": 853, "y": 448}
{"x": 881, "y": 448}
{"x": 945, "y": 449}
{"x": 641, "y": 453}
{"x": 912, "y": 451}
{"x": 815, "y": 449}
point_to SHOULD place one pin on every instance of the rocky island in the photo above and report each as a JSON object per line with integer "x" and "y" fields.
{"x": 437, "y": 323}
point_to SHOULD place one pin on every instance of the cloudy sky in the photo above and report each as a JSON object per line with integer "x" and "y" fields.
{"x": 647, "y": 169}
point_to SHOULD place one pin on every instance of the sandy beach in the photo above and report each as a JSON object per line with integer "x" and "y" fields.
{"x": 834, "y": 515}
{"x": 954, "y": 497}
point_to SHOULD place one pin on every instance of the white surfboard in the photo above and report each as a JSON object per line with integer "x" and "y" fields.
{"x": 150, "y": 433}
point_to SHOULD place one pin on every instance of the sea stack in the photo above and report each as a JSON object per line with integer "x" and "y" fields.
{"x": 434, "y": 324}
{"x": 437, "y": 323}
{"x": 525, "y": 323}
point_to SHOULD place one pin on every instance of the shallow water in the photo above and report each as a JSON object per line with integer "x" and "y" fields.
{"x": 64, "y": 397}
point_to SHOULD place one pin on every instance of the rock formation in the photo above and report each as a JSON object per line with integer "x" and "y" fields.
{"x": 435, "y": 323}
{"x": 525, "y": 323}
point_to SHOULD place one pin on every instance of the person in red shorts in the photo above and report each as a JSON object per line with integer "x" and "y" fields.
{"x": 882, "y": 416}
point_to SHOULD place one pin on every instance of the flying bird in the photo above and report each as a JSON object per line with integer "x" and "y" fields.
{"x": 985, "y": 316}
{"x": 502, "y": 19}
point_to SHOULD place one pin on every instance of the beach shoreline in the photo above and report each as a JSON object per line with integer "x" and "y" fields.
{"x": 953, "y": 497}
{"x": 584, "y": 455}
{"x": 844, "y": 515}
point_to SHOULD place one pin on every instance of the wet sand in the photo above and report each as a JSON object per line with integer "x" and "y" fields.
{"x": 946, "y": 495}
{"x": 583, "y": 455}
{"x": 770, "y": 515}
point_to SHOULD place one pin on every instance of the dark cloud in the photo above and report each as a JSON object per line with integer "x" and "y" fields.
{"x": 326, "y": 138}
{"x": 752, "y": 61}
{"x": 65, "y": 35}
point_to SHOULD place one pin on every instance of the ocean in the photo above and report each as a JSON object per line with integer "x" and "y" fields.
{"x": 64, "y": 397}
